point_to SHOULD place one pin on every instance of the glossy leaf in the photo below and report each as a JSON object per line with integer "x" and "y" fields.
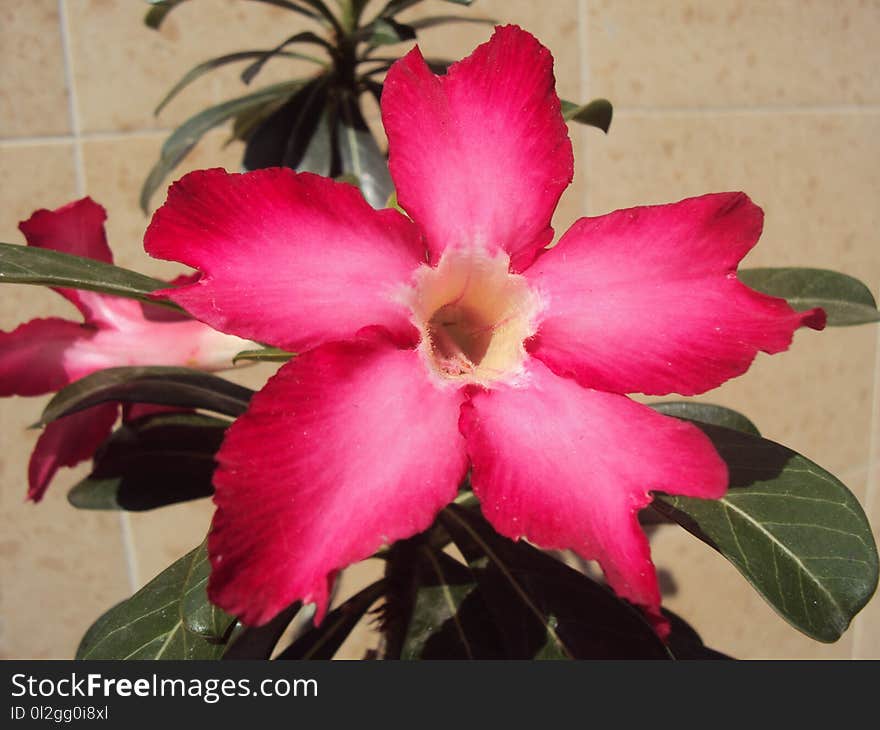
{"x": 792, "y": 529}
{"x": 203, "y": 68}
{"x": 32, "y": 265}
{"x": 542, "y": 608}
{"x": 153, "y": 462}
{"x": 360, "y": 154}
{"x": 170, "y": 386}
{"x": 267, "y": 354}
{"x": 449, "y": 619}
{"x": 597, "y": 113}
{"x": 845, "y": 299}
{"x": 707, "y": 413}
{"x": 187, "y": 135}
{"x": 169, "y": 618}
{"x": 322, "y": 642}
{"x": 157, "y": 14}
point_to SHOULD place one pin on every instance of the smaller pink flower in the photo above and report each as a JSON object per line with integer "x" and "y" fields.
{"x": 451, "y": 339}
{"x": 44, "y": 355}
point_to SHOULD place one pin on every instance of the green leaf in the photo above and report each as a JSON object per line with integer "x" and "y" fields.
{"x": 157, "y": 14}
{"x": 258, "y": 642}
{"x": 169, "y": 618}
{"x": 264, "y": 57}
{"x": 543, "y": 608}
{"x": 295, "y": 135}
{"x": 387, "y": 32}
{"x": 597, "y": 113}
{"x": 360, "y": 154}
{"x": 449, "y": 619}
{"x": 438, "y": 20}
{"x": 707, "y": 413}
{"x": 392, "y": 7}
{"x": 168, "y": 386}
{"x": 792, "y": 529}
{"x": 31, "y": 265}
{"x": 322, "y": 642}
{"x": 267, "y": 354}
{"x": 203, "y": 68}
{"x": 153, "y": 462}
{"x": 187, "y": 135}
{"x": 845, "y": 299}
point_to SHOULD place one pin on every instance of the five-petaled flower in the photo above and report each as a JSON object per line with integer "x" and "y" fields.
{"x": 453, "y": 339}
{"x": 44, "y": 355}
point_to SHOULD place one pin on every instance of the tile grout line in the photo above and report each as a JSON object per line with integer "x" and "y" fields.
{"x": 873, "y": 485}
{"x": 72, "y": 101}
{"x": 757, "y": 110}
{"x": 585, "y": 96}
{"x": 125, "y": 531}
{"x": 85, "y": 136}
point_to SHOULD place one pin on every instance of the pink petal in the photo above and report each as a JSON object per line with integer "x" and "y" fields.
{"x": 288, "y": 259}
{"x": 66, "y": 442}
{"x": 32, "y": 356}
{"x": 78, "y": 229}
{"x": 138, "y": 341}
{"x": 347, "y": 448}
{"x": 569, "y": 468}
{"x": 481, "y": 155}
{"x": 646, "y": 299}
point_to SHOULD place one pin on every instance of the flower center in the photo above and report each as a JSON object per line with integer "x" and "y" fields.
{"x": 474, "y": 316}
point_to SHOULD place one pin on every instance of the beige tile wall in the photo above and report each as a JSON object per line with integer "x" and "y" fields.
{"x": 780, "y": 98}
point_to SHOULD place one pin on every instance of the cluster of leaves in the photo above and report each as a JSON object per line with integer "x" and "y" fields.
{"x": 792, "y": 529}
{"x": 316, "y": 123}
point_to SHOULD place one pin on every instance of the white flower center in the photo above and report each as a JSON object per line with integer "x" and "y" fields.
{"x": 474, "y": 316}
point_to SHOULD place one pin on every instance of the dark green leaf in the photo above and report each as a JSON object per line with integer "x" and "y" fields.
{"x": 296, "y": 135}
{"x": 267, "y": 354}
{"x": 597, "y": 113}
{"x": 449, "y": 619}
{"x": 323, "y": 641}
{"x": 304, "y": 37}
{"x": 31, "y": 265}
{"x": 168, "y": 386}
{"x": 386, "y": 32}
{"x": 203, "y": 68}
{"x": 437, "y": 20}
{"x": 360, "y": 154}
{"x": 169, "y": 618}
{"x": 707, "y": 413}
{"x": 845, "y": 299}
{"x": 258, "y": 642}
{"x": 153, "y": 462}
{"x": 392, "y": 7}
{"x": 187, "y": 135}
{"x": 161, "y": 8}
{"x": 543, "y": 608}
{"x": 792, "y": 529}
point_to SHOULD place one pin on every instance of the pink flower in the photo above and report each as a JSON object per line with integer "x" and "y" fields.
{"x": 452, "y": 340}
{"x": 44, "y": 355}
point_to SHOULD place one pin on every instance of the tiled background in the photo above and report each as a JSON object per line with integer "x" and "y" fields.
{"x": 780, "y": 98}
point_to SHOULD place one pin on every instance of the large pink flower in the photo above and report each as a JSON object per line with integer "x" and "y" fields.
{"x": 452, "y": 339}
{"x": 44, "y": 355}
